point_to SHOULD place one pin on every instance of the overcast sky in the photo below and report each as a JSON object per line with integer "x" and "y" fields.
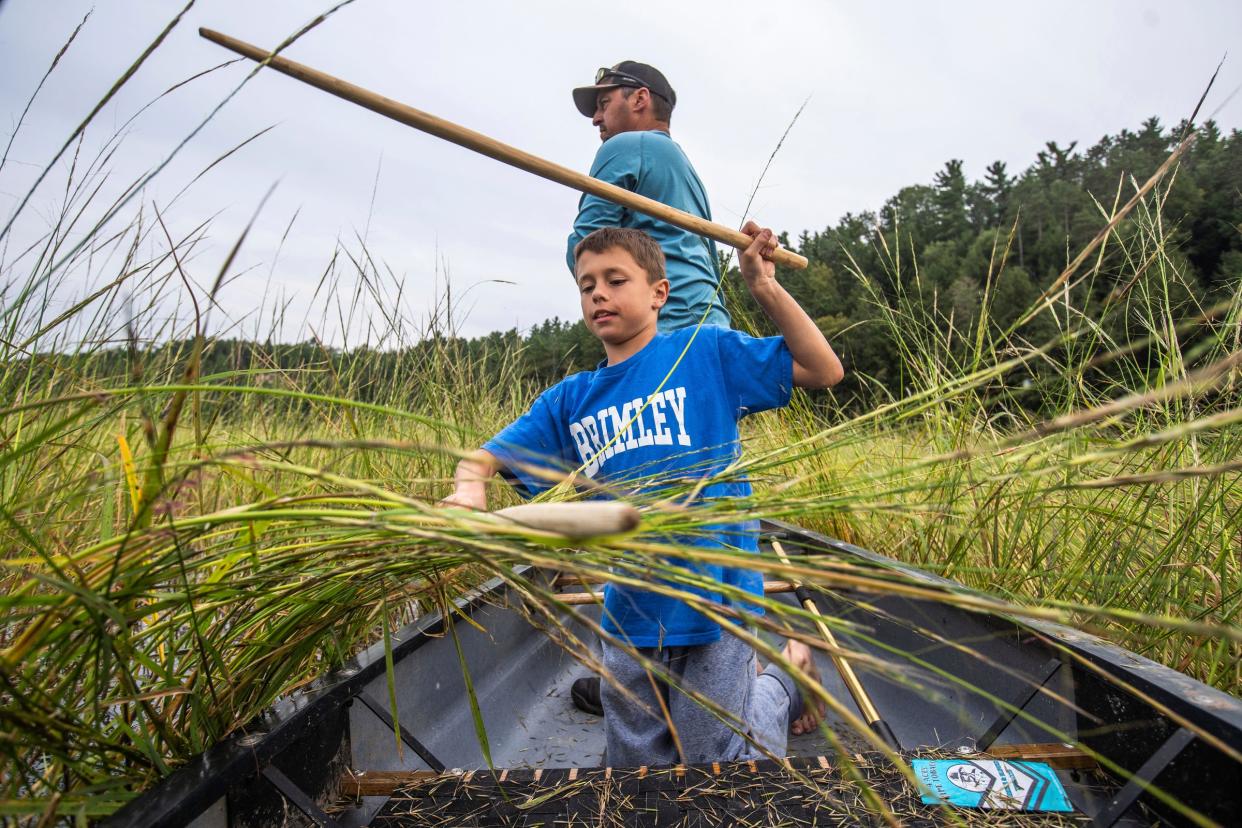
{"x": 894, "y": 89}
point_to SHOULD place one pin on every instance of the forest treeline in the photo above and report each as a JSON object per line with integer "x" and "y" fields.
{"x": 934, "y": 250}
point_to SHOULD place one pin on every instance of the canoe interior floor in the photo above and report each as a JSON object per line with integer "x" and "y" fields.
{"x": 551, "y": 732}
{"x": 553, "y": 753}
{"x": 522, "y": 682}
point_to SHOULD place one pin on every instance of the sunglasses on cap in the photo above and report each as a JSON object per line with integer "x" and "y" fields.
{"x": 624, "y": 79}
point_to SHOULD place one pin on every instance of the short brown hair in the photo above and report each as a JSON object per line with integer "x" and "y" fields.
{"x": 644, "y": 249}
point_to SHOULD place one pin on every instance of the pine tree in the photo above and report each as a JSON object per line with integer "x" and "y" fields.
{"x": 949, "y": 202}
{"x": 997, "y": 187}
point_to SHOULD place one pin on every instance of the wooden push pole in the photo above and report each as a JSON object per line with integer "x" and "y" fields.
{"x": 591, "y": 597}
{"x": 852, "y": 683}
{"x": 495, "y": 149}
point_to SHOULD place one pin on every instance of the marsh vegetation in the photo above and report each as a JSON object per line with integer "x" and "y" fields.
{"x": 194, "y": 524}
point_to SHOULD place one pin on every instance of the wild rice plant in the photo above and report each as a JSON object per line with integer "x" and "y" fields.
{"x": 192, "y": 531}
{"x": 1124, "y": 501}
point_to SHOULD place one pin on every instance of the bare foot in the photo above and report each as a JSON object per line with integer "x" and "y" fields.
{"x": 801, "y": 657}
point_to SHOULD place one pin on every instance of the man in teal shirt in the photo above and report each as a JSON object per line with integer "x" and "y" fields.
{"x": 632, "y": 104}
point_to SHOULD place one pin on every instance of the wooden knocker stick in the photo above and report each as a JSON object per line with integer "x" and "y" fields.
{"x": 577, "y": 598}
{"x": 585, "y": 519}
{"x": 492, "y": 148}
{"x": 852, "y": 683}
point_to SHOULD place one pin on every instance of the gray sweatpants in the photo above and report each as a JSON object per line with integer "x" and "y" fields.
{"x": 723, "y": 671}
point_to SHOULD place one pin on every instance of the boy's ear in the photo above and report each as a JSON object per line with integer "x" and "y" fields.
{"x": 659, "y": 294}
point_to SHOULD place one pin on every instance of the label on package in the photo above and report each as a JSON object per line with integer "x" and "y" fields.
{"x": 991, "y": 783}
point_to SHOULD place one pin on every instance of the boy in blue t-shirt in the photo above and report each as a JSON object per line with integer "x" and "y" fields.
{"x": 665, "y": 407}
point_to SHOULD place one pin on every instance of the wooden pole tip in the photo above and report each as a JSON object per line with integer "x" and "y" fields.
{"x": 576, "y": 520}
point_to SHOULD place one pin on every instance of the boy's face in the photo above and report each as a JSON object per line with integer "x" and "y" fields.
{"x": 618, "y": 302}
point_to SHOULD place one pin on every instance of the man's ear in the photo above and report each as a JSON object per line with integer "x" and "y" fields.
{"x": 659, "y": 294}
{"x": 640, "y": 99}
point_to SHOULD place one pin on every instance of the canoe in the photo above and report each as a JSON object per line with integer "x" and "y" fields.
{"x": 1131, "y": 741}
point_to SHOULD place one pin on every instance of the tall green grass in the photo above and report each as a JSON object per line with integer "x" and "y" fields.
{"x": 182, "y": 547}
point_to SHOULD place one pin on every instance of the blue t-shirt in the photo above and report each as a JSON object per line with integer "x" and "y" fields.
{"x": 672, "y": 427}
{"x": 651, "y": 164}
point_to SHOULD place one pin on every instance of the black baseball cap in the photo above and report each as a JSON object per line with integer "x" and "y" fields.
{"x": 626, "y": 73}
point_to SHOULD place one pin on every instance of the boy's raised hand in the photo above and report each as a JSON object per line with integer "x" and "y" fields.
{"x": 815, "y": 365}
{"x": 757, "y": 268}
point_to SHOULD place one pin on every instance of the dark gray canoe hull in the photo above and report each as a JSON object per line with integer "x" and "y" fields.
{"x": 1105, "y": 698}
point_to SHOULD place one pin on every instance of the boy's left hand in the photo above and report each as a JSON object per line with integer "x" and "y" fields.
{"x": 756, "y": 264}
{"x": 471, "y": 497}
